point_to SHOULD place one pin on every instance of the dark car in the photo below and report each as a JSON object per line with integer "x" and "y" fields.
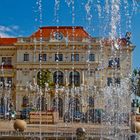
{"x": 74, "y": 116}
{"x": 93, "y": 115}
{"x": 25, "y": 113}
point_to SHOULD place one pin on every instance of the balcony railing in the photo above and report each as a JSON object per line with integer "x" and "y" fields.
{"x": 8, "y": 66}
{"x": 6, "y": 72}
{"x": 70, "y": 39}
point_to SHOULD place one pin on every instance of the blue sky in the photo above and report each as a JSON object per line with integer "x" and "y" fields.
{"x": 21, "y": 18}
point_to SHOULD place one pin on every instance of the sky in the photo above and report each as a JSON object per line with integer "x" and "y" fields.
{"x": 22, "y": 18}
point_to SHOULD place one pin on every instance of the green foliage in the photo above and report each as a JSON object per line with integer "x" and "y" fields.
{"x": 43, "y": 77}
{"x": 135, "y": 72}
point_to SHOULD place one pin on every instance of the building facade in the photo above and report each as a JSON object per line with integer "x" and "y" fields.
{"x": 66, "y": 63}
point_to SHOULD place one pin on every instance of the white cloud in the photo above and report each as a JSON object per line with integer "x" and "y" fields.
{"x": 2, "y": 34}
{"x": 8, "y": 31}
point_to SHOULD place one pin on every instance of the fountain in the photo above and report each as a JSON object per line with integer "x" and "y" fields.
{"x": 76, "y": 108}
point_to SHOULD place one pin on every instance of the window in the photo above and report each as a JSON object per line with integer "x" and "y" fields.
{"x": 42, "y": 57}
{"x": 58, "y": 57}
{"x": 74, "y": 78}
{"x": 26, "y": 57}
{"x": 7, "y": 60}
{"x": 114, "y": 62}
{"x": 109, "y": 81}
{"x": 58, "y": 77}
{"x": 74, "y": 57}
{"x": 117, "y": 81}
{"x": 91, "y": 57}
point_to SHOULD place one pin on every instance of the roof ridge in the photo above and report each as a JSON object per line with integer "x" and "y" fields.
{"x": 68, "y": 27}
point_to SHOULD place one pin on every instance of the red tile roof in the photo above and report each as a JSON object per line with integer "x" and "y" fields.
{"x": 67, "y": 31}
{"x": 7, "y": 41}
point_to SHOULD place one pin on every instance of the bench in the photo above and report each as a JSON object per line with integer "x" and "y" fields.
{"x": 48, "y": 117}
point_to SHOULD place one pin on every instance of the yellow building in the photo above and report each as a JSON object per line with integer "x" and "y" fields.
{"x": 78, "y": 66}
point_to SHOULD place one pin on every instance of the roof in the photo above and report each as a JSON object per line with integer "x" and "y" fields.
{"x": 7, "y": 41}
{"x": 66, "y": 31}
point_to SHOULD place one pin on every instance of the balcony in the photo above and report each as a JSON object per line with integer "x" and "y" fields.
{"x": 65, "y": 39}
{"x": 6, "y": 66}
{"x": 7, "y": 72}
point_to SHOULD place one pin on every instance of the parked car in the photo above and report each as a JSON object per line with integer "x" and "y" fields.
{"x": 74, "y": 116}
{"x": 25, "y": 113}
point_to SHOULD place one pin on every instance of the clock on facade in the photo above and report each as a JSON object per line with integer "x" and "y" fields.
{"x": 58, "y": 36}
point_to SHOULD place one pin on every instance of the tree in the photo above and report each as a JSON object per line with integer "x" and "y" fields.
{"x": 43, "y": 77}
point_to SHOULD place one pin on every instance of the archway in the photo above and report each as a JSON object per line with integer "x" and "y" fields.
{"x": 58, "y": 77}
{"x": 74, "y": 77}
{"x": 42, "y": 103}
{"x": 25, "y": 101}
{"x": 91, "y": 101}
{"x": 58, "y": 106}
{"x": 75, "y": 105}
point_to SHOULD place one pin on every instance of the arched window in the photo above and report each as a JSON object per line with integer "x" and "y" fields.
{"x": 74, "y": 77}
{"x": 58, "y": 77}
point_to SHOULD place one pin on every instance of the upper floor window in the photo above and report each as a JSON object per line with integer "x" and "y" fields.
{"x": 91, "y": 57}
{"x": 75, "y": 57}
{"x": 114, "y": 62}
{"x": 7, "y": 60}
{"x": 26, "y": 57}
{"x": 58, "y": 57}
{"x": 42, "y": 57}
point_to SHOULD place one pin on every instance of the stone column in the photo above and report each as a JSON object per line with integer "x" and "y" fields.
{"x": 83, "y": 77}
{"x": 66, "y": 77}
